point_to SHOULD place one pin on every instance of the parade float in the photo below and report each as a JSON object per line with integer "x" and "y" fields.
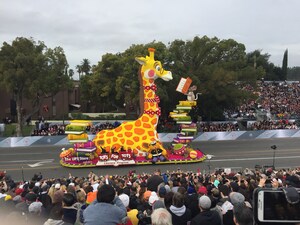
{"x": 136, "y": 142}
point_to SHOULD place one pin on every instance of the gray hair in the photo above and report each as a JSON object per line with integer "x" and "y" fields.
{"x": 161, "y": 216}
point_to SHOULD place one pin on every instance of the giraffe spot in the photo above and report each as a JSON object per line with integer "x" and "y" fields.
{"x": 110, "y": 134}
{"x": 135, "y": 152}
{"x": 151, "y": 133}
{"x": 146, "y": 125}
{"x": 122, "y": 141}
{"x": 128, "y": 134}
{"x": 129, "y": 142}
{"x": 118, "y": 129}
{"x": 150, "y": 95}
{"x": 108, "y": 141}
{"x": 115, "y": 139}
{"x": 152, "y": 104}
{"x": 136, "y": 139}
{"x": 116, "y": 147}
{"x": 145, "y": 145}
{"x": 138, "y": 123}
{"x": 100, "y": 142}
{"x": 107, "y": 149}
{"x": 100, "y": 136}
{"x": 144, "y": 82}
{"x": 144, "y": 138}
{"x": 120, "y": 135}
{"x": 154, "y": 121}
{"x": 146, "y": 107}
{"x": 145, "y": 119}
{"x": 128, "y": 126}
{"x": 139, "y": 131}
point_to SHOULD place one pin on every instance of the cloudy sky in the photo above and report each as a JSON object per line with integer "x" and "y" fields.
{"x": 91, "y": 28}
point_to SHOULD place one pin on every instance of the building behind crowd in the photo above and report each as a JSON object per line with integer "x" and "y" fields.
{"x": 56, "y": 107}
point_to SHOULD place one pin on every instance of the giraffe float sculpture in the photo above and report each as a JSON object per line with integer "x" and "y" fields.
{"x": 139, "y": 134}
{"x": 133, "y": 142}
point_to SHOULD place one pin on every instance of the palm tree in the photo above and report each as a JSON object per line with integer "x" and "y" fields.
{"x": 85, "y": 66}
{"x": 71, "y": 73}
{"x": 79, "y": 70}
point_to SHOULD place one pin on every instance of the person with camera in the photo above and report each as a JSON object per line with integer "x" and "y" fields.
{"x": 108, "y": 209}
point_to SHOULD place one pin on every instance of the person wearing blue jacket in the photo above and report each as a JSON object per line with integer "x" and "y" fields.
{"x": 108, "y": 209}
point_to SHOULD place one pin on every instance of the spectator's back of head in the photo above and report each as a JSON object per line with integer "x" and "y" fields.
{"x": 236, "y": 198}
{"x": 106, "y": 194}
{"x": 161, "y": 216}
{"x": 204, "y": 202}
{"x": 56, "y": 212}
{"x": 69, "y": 199}
{"x": 178, "y": 200}
{"x": 242, "y": 214}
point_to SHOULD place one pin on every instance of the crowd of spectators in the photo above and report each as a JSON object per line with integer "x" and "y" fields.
{"x": 217, "y": 126}
{"x": 281, "y": 99}
{"x": 178, "y": 197}
{"x": 272, "y": 125}
{"x": 277, "y": 99}
{"x": 51, "y": 129}
{"x": 103, "y": 126}
{"x": 46, "y": 129}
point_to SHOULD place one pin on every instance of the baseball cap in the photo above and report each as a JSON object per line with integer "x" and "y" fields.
{"x": 125, "y": 199}
{"x": 204, "y": 202}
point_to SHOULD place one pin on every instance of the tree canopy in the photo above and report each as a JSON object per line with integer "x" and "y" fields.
{"x": 29, "y": 69}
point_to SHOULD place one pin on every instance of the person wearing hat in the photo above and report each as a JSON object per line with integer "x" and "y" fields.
{"x": 131, "y": 215}
{"x": 206, "y": 216}
{"x": 23, "y": 206}
{"x": 227, "y": 207}
{"x": 107, "y": 210}
{"x": 35, "y": 213}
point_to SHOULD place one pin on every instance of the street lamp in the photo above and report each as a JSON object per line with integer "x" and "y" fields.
{"x": 274, "y": 147}
{"x": 209, "y": 157}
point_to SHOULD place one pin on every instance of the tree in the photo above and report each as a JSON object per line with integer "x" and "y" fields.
{"x": 31, "y": 70}
{"x": 85, "y": 66}
{"x": 79, "y": 70}
{"x": 214, "y": 66}
{"x": 284, "y": 65}
{"x": 71, "y": 73}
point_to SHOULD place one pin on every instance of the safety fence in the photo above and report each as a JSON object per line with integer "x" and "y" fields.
{"x": 164, "y": 137}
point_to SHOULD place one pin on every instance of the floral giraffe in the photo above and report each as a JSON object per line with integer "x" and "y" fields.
{"x": 139, "y": 134}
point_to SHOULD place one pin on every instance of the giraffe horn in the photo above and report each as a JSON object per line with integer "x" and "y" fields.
{"x": 151, "y": 53}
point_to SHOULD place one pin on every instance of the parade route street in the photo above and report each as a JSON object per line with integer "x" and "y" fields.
{"x": 24, "y": 162}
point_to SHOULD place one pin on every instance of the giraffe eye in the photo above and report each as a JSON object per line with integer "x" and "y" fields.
{"x": 157, "y": 68}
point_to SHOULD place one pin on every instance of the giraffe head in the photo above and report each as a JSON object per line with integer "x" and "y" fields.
{"x": 152, "y": 69}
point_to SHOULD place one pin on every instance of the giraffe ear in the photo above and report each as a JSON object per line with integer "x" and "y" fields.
{"x": 141, "y": 60}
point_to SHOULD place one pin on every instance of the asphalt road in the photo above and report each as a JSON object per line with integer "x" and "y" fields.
{"x": 24, "y": 162}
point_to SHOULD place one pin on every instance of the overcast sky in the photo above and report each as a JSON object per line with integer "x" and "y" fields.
{"x": 91, "y": 28}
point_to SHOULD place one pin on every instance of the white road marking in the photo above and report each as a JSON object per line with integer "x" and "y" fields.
{"x": 41, "y": 163}
{"x": 249, "y": 159}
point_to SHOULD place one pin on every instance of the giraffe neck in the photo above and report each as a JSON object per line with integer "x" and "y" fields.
{"x": 151, "y": 100}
